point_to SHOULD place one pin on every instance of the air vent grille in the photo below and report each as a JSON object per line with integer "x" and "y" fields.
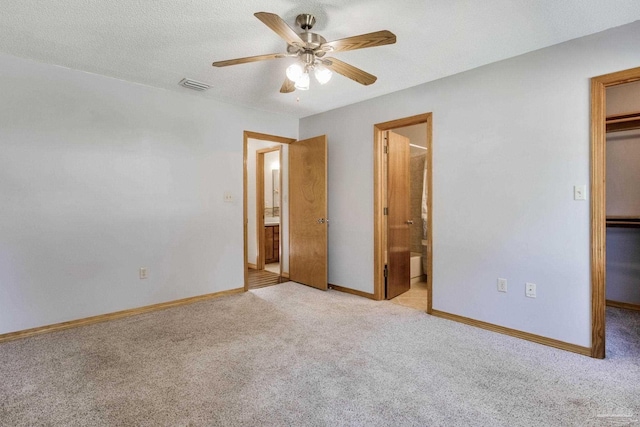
{"x": 192, "y": 84}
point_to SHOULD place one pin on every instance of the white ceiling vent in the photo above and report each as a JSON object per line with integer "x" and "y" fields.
{"x": 192, "y": 84}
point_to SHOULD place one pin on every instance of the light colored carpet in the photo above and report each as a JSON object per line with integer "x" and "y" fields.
{"x": 289, "y": 355}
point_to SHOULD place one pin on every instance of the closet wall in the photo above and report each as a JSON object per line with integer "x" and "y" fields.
{"x": 623, "y": 199}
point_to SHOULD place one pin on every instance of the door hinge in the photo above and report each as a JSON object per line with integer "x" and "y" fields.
{"x": 386, "y": 271}
{"x": 386, "y": 149}
{"x": 385, "y": 211}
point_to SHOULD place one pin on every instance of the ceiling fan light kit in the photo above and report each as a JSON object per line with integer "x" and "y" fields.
{"x": 298, "y": 72}
{"x": 303, "y": 82}
{"x": 295, "y": 71}
{"x": 323, "y": 74}
{"x": 310, "y": 48}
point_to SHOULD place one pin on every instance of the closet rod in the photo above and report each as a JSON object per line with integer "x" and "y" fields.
{"x": 622, "y": 122}
{"x": 623, "y": 221}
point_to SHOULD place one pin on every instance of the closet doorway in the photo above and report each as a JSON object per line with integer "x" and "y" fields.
{"x": 615, "y": 218}
{"x": 623, "y": 197}
{"x": 402, "y": 211}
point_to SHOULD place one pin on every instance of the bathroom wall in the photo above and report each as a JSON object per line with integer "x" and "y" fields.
{"x": 271, "y": 163}
{"x": 623, "y": 198}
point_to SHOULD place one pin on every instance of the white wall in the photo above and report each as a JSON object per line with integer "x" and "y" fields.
{"x": 511, "y": 139}
{"x": 623, "y": 198}
{"x": 252, "y": 237}
{"x": 99, "y": 177}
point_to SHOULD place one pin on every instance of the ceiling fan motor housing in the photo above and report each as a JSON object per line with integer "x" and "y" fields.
{"x": 312, "y": 40}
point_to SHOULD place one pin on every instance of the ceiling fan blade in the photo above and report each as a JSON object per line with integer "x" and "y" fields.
{"x": 280, "y": 27}
{"x": 288, "y": 86}
{"x": 349, "y": 71}
{"x": 379, "y": 38}
{"x": 248, "y": 59}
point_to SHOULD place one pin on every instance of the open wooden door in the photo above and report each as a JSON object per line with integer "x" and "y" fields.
{"x": 399, "y": 215}
{"x": 308, "y": 212}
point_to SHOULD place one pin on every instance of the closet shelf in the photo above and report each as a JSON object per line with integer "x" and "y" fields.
{"x": 623, "y": 221}
{"x": 622, "y": 122}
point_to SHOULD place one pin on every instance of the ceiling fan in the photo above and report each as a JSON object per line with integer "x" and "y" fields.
{"x": 311, "y": 48}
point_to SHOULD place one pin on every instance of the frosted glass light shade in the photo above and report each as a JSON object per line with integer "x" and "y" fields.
{"x": 303, "y": 82}
{"x": 323, "y": 75}
{"x": 294, "y": 72}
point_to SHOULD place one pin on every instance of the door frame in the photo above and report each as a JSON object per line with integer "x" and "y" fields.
{"x": 260, "y": 202}
{"x": 598, "y": 202}
{"x": 263, "y": 137}
{"x": 379, "y": 198}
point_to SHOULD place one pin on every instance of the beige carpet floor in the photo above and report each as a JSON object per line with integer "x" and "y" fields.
{"x": 289, "y": 355}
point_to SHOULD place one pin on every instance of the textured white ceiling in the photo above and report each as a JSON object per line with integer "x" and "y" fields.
{"x": 157, "y": 43}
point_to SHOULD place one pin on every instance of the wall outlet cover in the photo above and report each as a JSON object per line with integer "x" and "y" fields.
{"x": 530, "y": 290}
{"x": 502, "y": 285}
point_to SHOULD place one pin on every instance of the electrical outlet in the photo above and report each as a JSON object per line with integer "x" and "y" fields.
{"x": 143, "y": 273}
{"x": 502, "y": 285}
{"x": 530, "y": 290}
{"x": 228, "y": 197}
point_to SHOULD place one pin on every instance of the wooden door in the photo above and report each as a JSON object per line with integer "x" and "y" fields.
{"x": 399, "y": 215}
{"x": 308, "y": 212}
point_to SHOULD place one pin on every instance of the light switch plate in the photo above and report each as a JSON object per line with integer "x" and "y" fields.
{"x": 579, "y": 192}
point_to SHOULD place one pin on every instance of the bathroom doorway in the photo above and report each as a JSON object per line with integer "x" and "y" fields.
{"x": 402, "y": 211}
{"x": 266, "y": 227}
{"x": 302, "y": 218}
{"x": 268, "y": 212}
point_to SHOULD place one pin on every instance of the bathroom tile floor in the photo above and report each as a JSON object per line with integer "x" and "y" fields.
{"x": 416, "y": 297}
{"x": 274, "y": 267}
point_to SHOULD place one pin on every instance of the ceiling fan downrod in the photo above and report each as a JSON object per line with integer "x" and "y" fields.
{"x": 305, "y": 21}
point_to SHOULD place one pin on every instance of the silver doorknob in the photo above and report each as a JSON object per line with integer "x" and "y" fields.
{"x": 321, "y": 221}
{"x": 410, "y": 222}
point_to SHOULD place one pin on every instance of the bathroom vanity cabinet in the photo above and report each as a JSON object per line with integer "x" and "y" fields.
{"x": 271, "y": 243}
